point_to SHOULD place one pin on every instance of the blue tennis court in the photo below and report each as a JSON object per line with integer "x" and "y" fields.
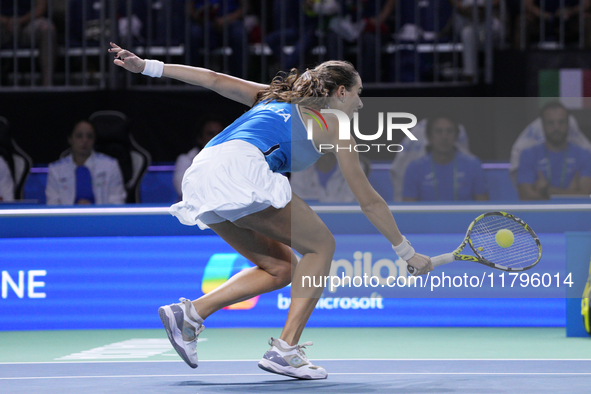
{"x": 439, "y": 360}
{"x": 345, "y": 376}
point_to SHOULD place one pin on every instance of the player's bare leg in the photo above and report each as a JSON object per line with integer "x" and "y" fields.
{"x": 183, "y": 322}
{"x": 273, "y": 271}
{"x": 299, "y": 226}
{"x": 262, "y": 238}
{"x": 296, "y": 225}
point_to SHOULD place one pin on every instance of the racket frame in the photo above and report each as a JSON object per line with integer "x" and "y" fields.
{"x": 446, "y": 258}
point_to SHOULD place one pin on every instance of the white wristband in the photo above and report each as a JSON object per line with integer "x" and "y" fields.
{"x": 154, "y": 68}
{"x": 405, "y": 251}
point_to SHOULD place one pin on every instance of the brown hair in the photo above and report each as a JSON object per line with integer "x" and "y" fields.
{"x": 322, "y": 81}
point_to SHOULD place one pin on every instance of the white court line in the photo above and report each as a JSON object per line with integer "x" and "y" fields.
{"x": 25, "y": 212}
{"x": 332, "y": 374}
{"x": 316, "y": 359}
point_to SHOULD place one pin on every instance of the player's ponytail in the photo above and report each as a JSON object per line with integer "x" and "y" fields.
{"x": 281, "y": 87}
{"x": 309, "y": 84}
{"x": 322, "y": 81}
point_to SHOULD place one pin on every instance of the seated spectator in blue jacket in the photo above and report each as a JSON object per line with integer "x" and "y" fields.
{"x": 555, "y": 166}
{"x": 445, "y": 173}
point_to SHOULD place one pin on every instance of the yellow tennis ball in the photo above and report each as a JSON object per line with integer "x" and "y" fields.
{"x": 480, "y": 248}
{"x": 504, "y": 238}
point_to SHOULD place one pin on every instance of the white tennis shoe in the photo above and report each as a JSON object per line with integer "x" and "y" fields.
{"x": 182, "y": 329}
{"x": 287, "y": 360}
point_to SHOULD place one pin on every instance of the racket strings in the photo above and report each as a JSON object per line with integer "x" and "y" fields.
{"x": 522, "y": 253}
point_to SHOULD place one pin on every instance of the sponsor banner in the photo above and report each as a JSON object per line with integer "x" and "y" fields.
{"x": 119, "y": 282}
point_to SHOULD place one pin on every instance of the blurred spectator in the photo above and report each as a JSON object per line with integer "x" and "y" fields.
{"x": 473, "y": 31}
{"x": 324, "y": 181}
{"x": 423, "y": 21}
{"x": 30, "y": 23}
{"x": 555, "y": 166}
{"x": 222, "y": 17}
{"x": 6, "y": 182}
{"x": 205, "y": 132}
{"x": 372, "y": 21}
{"x": 84, "y": 176}
{"x": 312, "y": 11}
{"x": 445, "y": 173}
{"x": 551, "y": 15}
{"x": 534, "y": 134}
{"x": 165, "y": 19}
{"x": 417, "y": 149}
{"x": 58, "y": 17}
{"x": 289, "y": 30}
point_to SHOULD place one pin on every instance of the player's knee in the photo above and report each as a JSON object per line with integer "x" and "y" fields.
{"x": 326, "y": 243}
{"x": 332, "y": 245}
{"x": 280, "y": 273}
{"x": 283, "y": 274}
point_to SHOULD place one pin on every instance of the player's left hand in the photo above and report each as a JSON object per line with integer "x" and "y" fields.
{"x": 126, "y": 59}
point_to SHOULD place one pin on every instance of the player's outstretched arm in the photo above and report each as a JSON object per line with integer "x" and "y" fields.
{"x": 236, "y": 89}
{"x": 375, "y": 208}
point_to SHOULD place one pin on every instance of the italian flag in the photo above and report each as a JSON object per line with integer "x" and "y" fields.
{"x": 572, "y": 85}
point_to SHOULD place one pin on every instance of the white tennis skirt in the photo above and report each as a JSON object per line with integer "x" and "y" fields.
{"x": 227, "y": 182}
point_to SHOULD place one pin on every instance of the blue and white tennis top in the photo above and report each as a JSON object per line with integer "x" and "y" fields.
{"x": 277, "y": 129}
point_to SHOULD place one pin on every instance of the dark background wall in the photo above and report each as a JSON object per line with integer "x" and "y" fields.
{"x": 164, "y": 120}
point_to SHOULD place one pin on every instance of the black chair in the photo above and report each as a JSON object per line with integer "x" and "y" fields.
{"x": 18, "y": 161}
{"x": 113, "y": 138}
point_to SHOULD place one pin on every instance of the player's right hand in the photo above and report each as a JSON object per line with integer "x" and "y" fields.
{"x": 421, "y": 263}
{"x": 126, "y": 59}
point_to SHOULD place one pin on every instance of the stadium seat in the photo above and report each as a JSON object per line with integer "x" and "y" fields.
{"x": 113, "y": 138}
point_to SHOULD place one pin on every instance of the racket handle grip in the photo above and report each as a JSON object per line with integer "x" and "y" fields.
{"x": 436, "y": 261}
{"x": 442, "y": 259}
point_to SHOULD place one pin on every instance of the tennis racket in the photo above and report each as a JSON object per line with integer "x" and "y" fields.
{"x": 524, "y": 253}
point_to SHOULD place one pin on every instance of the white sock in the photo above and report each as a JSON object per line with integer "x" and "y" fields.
{"x": 284, "y": 344}
{"x": 194, "y": 314}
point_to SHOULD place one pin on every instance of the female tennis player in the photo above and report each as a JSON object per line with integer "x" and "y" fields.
{"x": 235, "y": 187}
